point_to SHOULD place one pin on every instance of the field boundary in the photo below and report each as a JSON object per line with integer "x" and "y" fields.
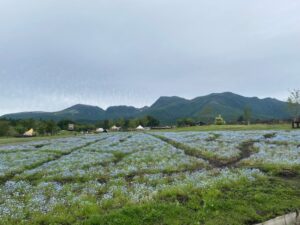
{"x": 246, "y": 150}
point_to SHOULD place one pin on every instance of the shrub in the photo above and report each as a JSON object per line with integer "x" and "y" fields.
{"x": 219, "y": 120}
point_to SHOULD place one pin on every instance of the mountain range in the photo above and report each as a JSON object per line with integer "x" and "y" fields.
{"x": 168, "y": 109}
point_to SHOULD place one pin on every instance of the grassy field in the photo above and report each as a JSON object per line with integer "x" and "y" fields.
{"x": 234, "y": 127}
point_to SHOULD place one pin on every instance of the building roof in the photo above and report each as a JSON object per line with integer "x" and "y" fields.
{"x": 140, "y": 127}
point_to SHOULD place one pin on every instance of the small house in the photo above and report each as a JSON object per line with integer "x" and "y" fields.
{"x": 71, "y": 127}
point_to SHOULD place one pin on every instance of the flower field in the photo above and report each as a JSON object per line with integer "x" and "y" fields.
{"x": 151, "y": 178}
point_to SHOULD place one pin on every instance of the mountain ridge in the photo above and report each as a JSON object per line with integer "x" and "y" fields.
{"x": 169, "y": 109}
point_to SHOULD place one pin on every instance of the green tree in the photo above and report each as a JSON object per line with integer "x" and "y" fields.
{"x": 247, "y": 114}
{"x": 185, "y": 122}
{"x": 51, "y": 127}
{"x": 219, "y": 120}
{"x": 120, "y": 122}
{"x": 106, "y": 124}
{"x": 126, "y": 124}
{"x": 294, "y": 103}
{"x": 4, "y": 128}
{"x": 41, "y": 128}
{"x": 152, "y": 122}
{"x": 29, "y": 123}
{"x": 63, "y": 124}
{"x": 134, "y": 123}
{"x": 240, "y": 119}
{"x": 20, "y": 129}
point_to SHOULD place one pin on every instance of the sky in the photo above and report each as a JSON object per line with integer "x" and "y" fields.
{"x": 57, "y": 53}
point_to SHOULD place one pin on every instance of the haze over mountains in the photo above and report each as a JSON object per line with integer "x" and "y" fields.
{"x": 169, "y": 109}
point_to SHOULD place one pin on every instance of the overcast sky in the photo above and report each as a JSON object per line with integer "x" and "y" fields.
{"x": 56, "y": 53}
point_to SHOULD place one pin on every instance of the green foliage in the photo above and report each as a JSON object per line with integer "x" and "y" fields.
{"x": 63, "y": 124}
{"x": 219, "y": 120}
{"x": 151, "y": 121}
{"x": 185, "y": 122}
{"x": 4, "y": 128}
{"x": 247, "y": 114}
{"x": 42, "y": 127}
{"x": 107, "y": 124}
{"x": 213, "y": 137}
{"x": 51, "y": 127}
{"x": 269, "y": 135}
{"x": 294, "y": 103}
{"x": 236, "y": 203}
{"x": 168, "y": 109}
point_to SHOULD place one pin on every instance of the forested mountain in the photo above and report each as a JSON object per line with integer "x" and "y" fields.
{"x": 168, "y": 109}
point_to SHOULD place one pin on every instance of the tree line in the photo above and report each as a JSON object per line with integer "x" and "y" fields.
{"x": 10, "y": 127}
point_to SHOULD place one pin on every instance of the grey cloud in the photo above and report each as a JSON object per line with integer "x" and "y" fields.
{"x": 55, "y": 53}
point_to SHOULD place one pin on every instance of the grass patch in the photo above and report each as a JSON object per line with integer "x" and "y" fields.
{"x": 269, "y": 135}
{"x": 281, "y": 170}
{"x": 233, "y": 204}
{"x": 232, "y": 127}
{"x": 198, "y": 153}
{"x": 213, "y": 137}
{"x": 236, "y": 203}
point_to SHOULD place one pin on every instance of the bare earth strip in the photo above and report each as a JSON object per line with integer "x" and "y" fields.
{"x": 246, "y": 148}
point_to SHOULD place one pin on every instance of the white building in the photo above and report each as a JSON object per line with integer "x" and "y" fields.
{"x": 115, "y": 128}
{"x": 140, "y": 127}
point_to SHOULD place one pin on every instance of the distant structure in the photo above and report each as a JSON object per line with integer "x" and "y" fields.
{"x": 115, "y": 128}
{"x": 296, "y": 123}
{"x": 140, "y": 128}
{"x": 71, "y": 127}
{"x": 99, "y": 130}
{"x": 29, "y": 133}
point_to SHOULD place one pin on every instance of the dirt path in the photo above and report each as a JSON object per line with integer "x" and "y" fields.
{"x": 246, "y": 150}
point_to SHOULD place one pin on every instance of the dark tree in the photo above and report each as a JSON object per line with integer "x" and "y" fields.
{"x": 63, "y": 124}
{"x": 152, "y": 122}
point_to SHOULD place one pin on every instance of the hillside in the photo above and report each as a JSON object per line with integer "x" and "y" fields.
{"x": 169, "y": 109}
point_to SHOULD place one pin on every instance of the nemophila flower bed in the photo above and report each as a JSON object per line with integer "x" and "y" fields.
{"x": 19, "y": 161}
{"x": 55, "y": 145}
{"x": 224, "y": 146}
{"x": 141, "y": 178}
